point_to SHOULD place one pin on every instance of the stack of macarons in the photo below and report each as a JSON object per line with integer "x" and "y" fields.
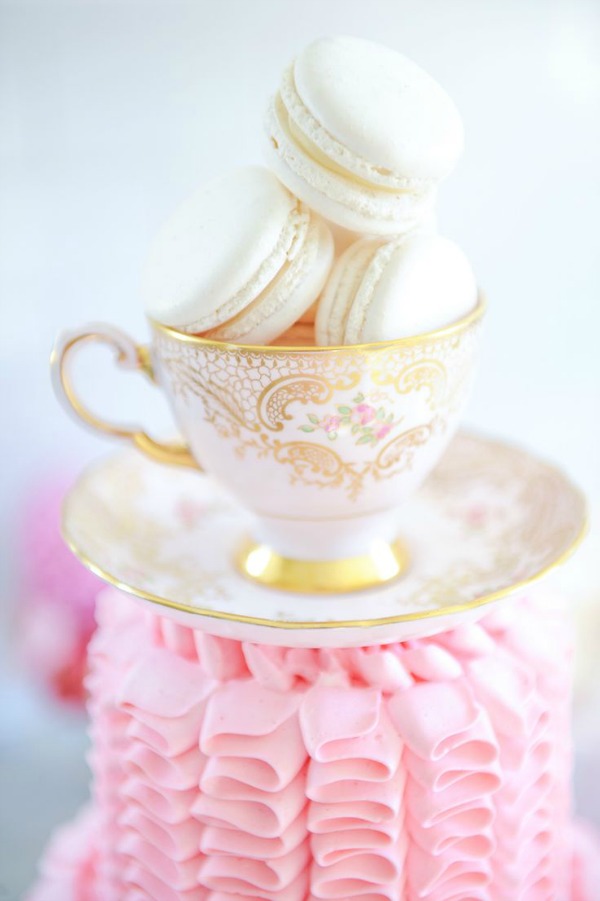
{"x": 336, "y": 243}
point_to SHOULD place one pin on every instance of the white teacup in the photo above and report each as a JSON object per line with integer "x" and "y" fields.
{"x": 321, "y": 444}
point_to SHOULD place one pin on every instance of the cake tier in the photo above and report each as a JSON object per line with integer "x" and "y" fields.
{"x": 68, "y": 868}
{"x": 433, "y": 769}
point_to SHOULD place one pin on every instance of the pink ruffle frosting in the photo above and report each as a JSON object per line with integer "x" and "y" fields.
{"x": 430, "y": 770}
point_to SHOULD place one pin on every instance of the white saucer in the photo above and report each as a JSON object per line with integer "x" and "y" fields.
{"x": 489, "y": 520}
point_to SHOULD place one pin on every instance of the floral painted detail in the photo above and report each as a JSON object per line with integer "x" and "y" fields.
{"x": 369, "y": 423}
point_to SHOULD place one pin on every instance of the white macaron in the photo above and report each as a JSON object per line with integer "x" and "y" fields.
{"x": 363, "y": 135}
{"x": 240, "y": 261}
{"x": 380, "y": 291}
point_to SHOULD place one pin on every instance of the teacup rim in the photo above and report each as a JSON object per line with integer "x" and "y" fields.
{"x": 453, "y": 328}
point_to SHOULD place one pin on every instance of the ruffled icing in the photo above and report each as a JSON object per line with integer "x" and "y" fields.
{"x": 529, "y": 711}
{"x": 586, "y": 862}
{"x": 355, "y": 786}
{"x": 222, "y": 658}
{"x": 434, "y": 769}
{"x": 67, "y": 872}
{"x": 168, "y": 720}
{"x": 144, "y": 885}
{"x": 112, "y": 652}
{"x": 252, "y": 792}
{"x": 68, "y": 868}
{"x": 451, "y": 759}
{"x": 165, "y": 696}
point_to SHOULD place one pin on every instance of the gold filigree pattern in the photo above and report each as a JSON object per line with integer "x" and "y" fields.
{"x": 248, "y": 395}
{"x": 223, "y": 407}
{"x": 138, "y": 539}
{"x": 429, "y": 375}
{"x": 311, "y": 463}
{"x": 398, "y": 453}
{"x": 274, "y": 400}
{"x": 321, "y": 466}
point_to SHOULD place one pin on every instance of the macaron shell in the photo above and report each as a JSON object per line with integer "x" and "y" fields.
{"x": 380, "y": 106}
{"x": 412, "y": 286}
{"x": 340, "y": 291}
{"x": 288, "y": 297}
{"x": 324, "y": 149}
{"x": 352, "y": 205}
{"x": 220, "y": 249}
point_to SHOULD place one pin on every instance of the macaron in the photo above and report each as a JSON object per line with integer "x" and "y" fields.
{"x": 383, "y": 290}
{"x": 363, "y": 135}
{"x": 301, "y": 333}
{"x": 239, "y": 261}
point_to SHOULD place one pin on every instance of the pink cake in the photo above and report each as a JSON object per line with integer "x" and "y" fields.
{"x": 430, "y": 769}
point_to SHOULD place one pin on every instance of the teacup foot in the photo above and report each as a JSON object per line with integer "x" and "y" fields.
{"x": 383, "y": 562}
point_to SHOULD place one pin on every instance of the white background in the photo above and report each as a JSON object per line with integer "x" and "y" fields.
{"x": 111, "y": 113}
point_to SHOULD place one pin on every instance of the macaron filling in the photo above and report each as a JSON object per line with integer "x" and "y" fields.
{"x": 319, "y": 156}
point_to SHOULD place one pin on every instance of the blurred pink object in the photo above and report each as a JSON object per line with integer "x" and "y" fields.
{"x": 55, "y": 616}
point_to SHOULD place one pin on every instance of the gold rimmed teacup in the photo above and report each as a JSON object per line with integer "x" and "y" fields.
{"x": 320, "y": 444}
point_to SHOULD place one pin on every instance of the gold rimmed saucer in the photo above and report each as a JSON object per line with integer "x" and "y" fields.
{"x": 490, "y": 520}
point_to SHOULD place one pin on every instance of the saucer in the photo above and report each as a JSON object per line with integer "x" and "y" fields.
{"x": 490, "y": 520}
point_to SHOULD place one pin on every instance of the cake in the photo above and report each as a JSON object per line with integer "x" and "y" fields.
{"x": 433, "y": 767}
{"x": 437, "y": 768}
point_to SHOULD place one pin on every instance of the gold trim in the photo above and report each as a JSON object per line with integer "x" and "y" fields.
{"x": 327, "y": 624}
{"x": 132, "y": 356}
{"x": 384, "y": 563}
{"x": 316, "y": 625}
{"x": 455, "y": 328}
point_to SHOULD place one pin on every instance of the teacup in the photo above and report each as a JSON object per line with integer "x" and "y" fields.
{"x": 320, "y": 444}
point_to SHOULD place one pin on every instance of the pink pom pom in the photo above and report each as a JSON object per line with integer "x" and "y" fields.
{"x": 56, "y": 593}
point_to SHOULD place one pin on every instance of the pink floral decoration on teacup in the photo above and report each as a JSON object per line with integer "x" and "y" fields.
{"x": 367, "y": 422}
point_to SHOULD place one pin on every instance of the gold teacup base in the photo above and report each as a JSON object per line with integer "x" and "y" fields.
{"x": 384, "y": 562}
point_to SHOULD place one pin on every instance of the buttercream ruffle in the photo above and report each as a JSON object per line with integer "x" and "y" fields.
{"x": 112, "y": 651}
{"x": 526, "y": 689}
{"x": 164, "y": 695}
{"x": 68, "y": 867}
{"x": 355, "y": 786}
{"x": 252, "y": 794}
{"x": 451, "y": 761}
{"x": 430, "y": 770}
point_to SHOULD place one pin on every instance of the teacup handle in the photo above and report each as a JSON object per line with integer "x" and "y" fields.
{"x": 129, "y": 355}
